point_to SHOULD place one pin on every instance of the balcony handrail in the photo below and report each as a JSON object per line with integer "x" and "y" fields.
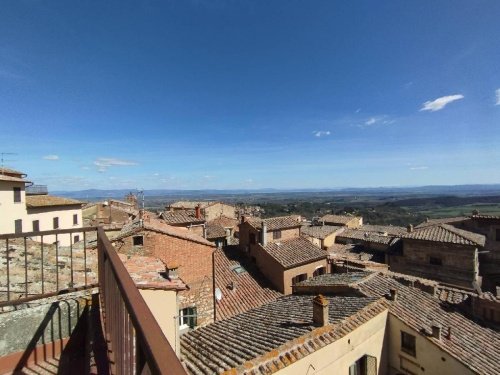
{"x": 150, "y": 340}
{"x": 9, "y": 236}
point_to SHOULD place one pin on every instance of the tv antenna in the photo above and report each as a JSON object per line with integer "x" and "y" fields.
{"x": 2, "y": 159}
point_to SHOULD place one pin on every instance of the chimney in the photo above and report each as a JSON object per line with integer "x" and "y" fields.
{"x": 197, "y": 211}
{"x": 320, "y": 311}
{"x": 243, "y": 219}
{"x": 264, "y": 233}
{"x": 204, "y": 231}
{"x": 498, "y": 291}
{"x": 228, "y": 234}
{"x": 393, "y": 294}
{"x": 436, "y": 331}
{"x": 409, "y": 228}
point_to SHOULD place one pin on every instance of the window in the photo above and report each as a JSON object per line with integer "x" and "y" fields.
{"x": 138, "y": 240}
{"x": 76, "y": 239}
{"x": 187, "y": 317}
{"x": 55, "y": 223}
{"x": 18, "y": 226}
{"x": 408, "y": 344}
{"x": 276, "y": 234}
{"x": 436, "y": 261}
{"x": 299, "y": 278}
{"x": 366, "y": 365}
{"x": 75, "y": 219}
{"x": 17, "y": 195}
{"x": 319, "y": 271}
{"x": 36, "y": 226}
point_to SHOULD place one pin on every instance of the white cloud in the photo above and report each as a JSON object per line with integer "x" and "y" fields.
{"x": 377, "y": 120}
{"x": 51, "y": 157}
{"x": 370, "y": 121}
{"x": 321, "y": 133}
{"x": 497, "y": 92}
{"x": 103, "y": 164}
{"x": 440, "y": 103}
{"x": 419, "y": 168}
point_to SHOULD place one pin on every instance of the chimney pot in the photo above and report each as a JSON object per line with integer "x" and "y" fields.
{"x": 320, "y": 311}
{"x": 197, "y": 211}
{"x": 409, "y": 228}
{"x": 436, "y": 331}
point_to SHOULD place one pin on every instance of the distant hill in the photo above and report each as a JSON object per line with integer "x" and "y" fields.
{"x": 457, "y": 190}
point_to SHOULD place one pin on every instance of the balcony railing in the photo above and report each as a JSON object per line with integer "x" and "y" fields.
{"x": 44, "y": 263}
{"x": 136, "y": 342}
{"x": 35, "y": 266}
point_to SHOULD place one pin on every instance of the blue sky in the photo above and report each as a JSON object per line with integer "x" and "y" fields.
{"x": 239, "y": 94}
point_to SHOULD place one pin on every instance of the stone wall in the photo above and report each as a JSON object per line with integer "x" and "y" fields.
{"x": 459, "y": 262}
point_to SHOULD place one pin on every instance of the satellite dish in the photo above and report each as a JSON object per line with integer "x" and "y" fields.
{"x": 218, "y": 294}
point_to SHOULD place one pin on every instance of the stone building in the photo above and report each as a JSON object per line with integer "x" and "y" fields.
{"x": 322, "y": 236}
{"x": 342, "y": 220}
{"x": 184, "y": 253}
{"x": 209, "y": 210}
{"x": 442, "y": 253}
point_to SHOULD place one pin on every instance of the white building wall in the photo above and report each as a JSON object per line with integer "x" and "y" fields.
{"x": 10, "y": 211}
{"x": 45, "y": 216}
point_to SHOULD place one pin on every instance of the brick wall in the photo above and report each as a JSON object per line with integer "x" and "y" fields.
{"x": 194, "y": 263}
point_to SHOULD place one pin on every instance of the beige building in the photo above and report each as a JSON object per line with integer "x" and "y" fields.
{"x": 322, "y": 236}
{"x": 342, "y": 220}
{"x": 22, "y": 212}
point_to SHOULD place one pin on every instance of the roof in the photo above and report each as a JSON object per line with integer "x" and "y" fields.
{"x": 275, "y": 223}
{"x": 224, "y": 221}
{"x": 159, "y": 227}
{"x": 320, "y": 231}
{"x": 149, "y": 273}
{"x": 360, "y": 234}
{"x": 446, "y": 220}
{"x": 215, "y": 231}
{"x": 4, "y": 177}
{"x": 479, "y": 216}
{"x": 390, "y": 230}
{"x": 34, "y": 201}
{"x": 475, "y": 345}
{"x": 330, "y": 279}
{"x": 181, "y": 217}
{"x": 9, "y": 171}
{"x": 272, "y": 336}
{"x": 294, "y": 252}
{"x": 191, "y": 204}
{"x": 350, "y": 252}
{"x": 446, "y": 234}
{"x": 242, "y": 285}
{"x": 339, "y": 219}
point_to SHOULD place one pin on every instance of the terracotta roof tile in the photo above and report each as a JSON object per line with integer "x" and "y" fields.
{"x": 320, "y": 231}
{"x": 33, "y": 201}
{"x": 149, "y": 273}
{"x": 12, "y": 179}
{"x": 473, "y": 344}
{"x": 275, "y": 223}
{"x": 215, "y": 231}
{"x": 339, "y": 219}
{"x": 294, "y": 252}
{"x": 446, "y": 233}
{"x": 181, "y": 217}
{"x": 447, "y": 220}
{"x": 273, "y": 336}
{"x": 242, "y": 285}
{"x": 360, "y": 234}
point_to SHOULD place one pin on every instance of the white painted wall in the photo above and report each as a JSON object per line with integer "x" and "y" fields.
{"x": 10, "y": 211}
{"x": 45, "y": 216}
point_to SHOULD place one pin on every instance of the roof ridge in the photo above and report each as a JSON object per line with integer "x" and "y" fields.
{"x": 459, "y": 232}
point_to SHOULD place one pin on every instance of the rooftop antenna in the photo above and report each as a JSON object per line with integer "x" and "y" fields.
{"x": 2, "y": 159}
